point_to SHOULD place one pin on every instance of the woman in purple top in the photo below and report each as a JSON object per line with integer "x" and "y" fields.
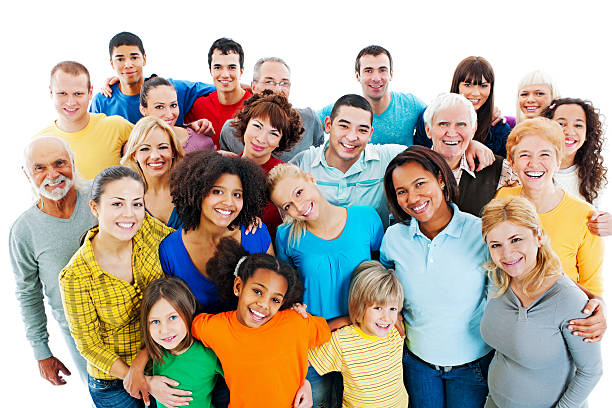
{"x": 158, "y": 98}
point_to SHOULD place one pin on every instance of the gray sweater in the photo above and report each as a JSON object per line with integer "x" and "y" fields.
{"x": 40, "y": 245}
{"x": 538, "y": 363}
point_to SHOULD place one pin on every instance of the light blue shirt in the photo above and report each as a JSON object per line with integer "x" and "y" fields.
{"x": 326, "y": 265}
{"x": 396, "y": 124}
{"x": 445, "y": 287}
{"x": 362, "y": 184}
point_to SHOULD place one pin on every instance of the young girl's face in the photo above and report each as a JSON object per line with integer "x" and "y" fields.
{"x": 260, "y": 297}
{"x": 572, "y": 119}
{"x": 224, "y": 201}
{"x": 166, "y": 326}
{"x": 379, "y": 319}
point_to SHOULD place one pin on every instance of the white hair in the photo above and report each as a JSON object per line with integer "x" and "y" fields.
{"x": 261, "y": 61}
{"x": 536, "y": 77}
{"x": 446, "y": 101}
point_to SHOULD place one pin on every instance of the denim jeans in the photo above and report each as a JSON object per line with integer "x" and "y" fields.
{"x": 462, "y": 387}
{"x": 326, "y": 389}
{"x": 111, "y": 394}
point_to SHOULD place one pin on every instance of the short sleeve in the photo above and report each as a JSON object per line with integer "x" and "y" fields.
{"x": 282, "y": 244}
{"x": 318, "y": 331}
{"x": 384, "y": 254}
{"x": 377, "y": 231}
{"x": 257, "y": 242}
{"x": 327, "y": 357}
{"x": 200, "y": 329}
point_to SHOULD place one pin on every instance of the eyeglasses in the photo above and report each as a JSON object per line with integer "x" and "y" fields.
{"x": 282, "y": 84}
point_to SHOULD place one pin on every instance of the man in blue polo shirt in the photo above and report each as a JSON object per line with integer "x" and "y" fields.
{"x": 347, "y": 168}
{"x": 127, "y": 57}
{"x": 394, "y": 113}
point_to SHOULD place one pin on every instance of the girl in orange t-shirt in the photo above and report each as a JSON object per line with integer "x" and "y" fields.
{"x": 262, "y": 346}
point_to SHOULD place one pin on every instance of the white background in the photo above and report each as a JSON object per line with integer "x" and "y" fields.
{"x": 319, "y": 40}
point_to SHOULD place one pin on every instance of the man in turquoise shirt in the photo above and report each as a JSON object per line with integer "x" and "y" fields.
{"x": 394, "y": 113}
{"x": 347, "y": 168}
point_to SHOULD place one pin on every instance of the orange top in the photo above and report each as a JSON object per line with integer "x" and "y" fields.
{"x": 263, "y": 366}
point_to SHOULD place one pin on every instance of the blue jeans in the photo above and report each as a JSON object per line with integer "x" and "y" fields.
{"x": 111, "y": 394}
{"x": 326, "y": 389}
{"x": 461, "y": 387}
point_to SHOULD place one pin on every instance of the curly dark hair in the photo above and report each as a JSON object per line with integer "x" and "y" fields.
{"x": 276, "y": 108}
{"x": 223, "y": 263}
{"x": 192, "y": 179}
{"x": 589, "y": 159}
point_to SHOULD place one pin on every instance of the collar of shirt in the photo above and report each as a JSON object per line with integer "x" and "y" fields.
{"x": 368, "y": 154}
{"x": 463, "y": 165}
{"x": 453, "y": 229}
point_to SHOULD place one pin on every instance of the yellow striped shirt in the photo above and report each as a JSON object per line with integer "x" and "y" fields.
{"x": 371, "y": 367}
{"x": 103, "y": 312}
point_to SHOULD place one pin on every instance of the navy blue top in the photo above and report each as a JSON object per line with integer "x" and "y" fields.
{"x": 175, "y": 261}
{"x": 174, "y": 221}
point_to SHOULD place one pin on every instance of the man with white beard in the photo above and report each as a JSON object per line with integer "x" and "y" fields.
{"x": 42, "y": 241}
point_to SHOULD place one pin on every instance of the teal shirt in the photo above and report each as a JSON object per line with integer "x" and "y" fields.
{"x": 396, "y": 124}
{"x": 361, "y": 185}
{"x": 195, "y": 370}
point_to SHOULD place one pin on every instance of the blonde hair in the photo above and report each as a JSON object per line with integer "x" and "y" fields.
{"x": 536, "y": 77}
{"x": 372, "y": 284}
{"x": 139, "y": 133}
{"x": 543, "y": 127}
{"x": 298, "y": 227}
{"x": 520, "y": 211}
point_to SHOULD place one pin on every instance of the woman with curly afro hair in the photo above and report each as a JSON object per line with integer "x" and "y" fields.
{"x": 582, "y": 172}
{"x": 267, "y": 124}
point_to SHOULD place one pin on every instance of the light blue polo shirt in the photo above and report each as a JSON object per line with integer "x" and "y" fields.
{"x": 396, "y": 124}
{"x": 362, "y": 184}
{"x": 445, "y": 287}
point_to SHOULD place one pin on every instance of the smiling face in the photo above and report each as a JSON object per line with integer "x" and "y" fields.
{"x": 162, "y": 103}
{"x": 476, "y": 94}
{"x": 50, "y": 169}
{"x": 535, "y": 161}
{"x": 379, "y": 319}
{"x": 154, "y": 155}
{"x": 533, "y": 99}
{"x": 297, "y": 197}
{"x": 224, "y": 201}
{"x": 127, "y": 61}
{"x": 166, "y": 326}
{"x": 572, "y": 119}
{"x": 225, "y": 71}
{"x": 374, "y": 75}
{"x": 120, "y": 211}
{"x": 260, "y": 139}
{"x": 273, "y": 75}
{"x": 349, "y": 134}
{"x": 260, "y": 297}
{"x": 513, "y": 248}
{"x": 71, "y": 96}
{"x": 451, "y": 133}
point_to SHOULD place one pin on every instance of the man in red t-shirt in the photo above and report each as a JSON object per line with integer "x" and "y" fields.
{"x": 225, "y": 61}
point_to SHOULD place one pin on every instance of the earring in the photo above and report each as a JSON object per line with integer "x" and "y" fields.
{"x": 236, "y": 293}
{"x": 442, "y": 186}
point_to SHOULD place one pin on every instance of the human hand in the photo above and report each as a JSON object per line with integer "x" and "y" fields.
{"x": 203, "y": 126}
{"x": 161, "y": 389}
{"x": 49, "y": 370}
{"x": 477, "y": 150}
{"x": 301, "y": 309}
{"x": 106, "y": 88}
{"x": 600, "y": 223}
{"x": 594, "y": 326}
{"x": 253, "y": 226}
{"x": 338, "y": 322}
{"x": 303, "y": 397}
{"x": 135, "y": 383}
{"x": 226, "y": 153}
{"x": 497, "y": 117}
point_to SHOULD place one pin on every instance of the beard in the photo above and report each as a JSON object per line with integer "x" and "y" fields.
{"x": 58, "y": 193}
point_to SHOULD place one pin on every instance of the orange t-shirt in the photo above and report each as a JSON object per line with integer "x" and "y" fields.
{"x": 264, "y": 366}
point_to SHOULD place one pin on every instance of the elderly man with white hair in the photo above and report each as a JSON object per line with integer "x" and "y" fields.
{"x": 42, "y": 241}
{"x": 450, "y": 122}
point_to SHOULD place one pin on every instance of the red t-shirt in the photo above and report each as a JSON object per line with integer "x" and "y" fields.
{"x": 209, "y": 107}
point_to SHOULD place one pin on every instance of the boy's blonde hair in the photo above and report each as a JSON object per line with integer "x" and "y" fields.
{"x": 546, "y": 128}
{"x": 372, "y": 284}
{"x": 520, "y": 211}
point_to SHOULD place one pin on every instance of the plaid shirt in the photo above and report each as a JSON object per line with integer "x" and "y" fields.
{"x": 103, "y": 312}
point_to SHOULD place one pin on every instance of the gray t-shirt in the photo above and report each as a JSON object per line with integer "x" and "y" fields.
{"x": 40, "y": 245}
{"x": 312, "y": 136}
{"x": 538, "y": 363}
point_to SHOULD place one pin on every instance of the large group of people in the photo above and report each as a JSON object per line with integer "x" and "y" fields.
{"x": 214, "y": 246}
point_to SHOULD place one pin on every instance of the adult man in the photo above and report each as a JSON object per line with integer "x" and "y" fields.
{"x": 42, "y": 241}
{"x": 347, "y": 168}
{"x": 395, "y": 113}
{"x": 274, "y": 74}
{"x": 226, "y": 65}
{"x": 127, "y": 57}
{"x": 95, "y": 139}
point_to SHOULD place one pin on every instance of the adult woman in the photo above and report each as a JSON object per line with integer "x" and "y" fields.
{"x": 102, "y": 284}
{"x": 215, "y": 197}
{"x": 267, "y": 124}
{"x": 152, "y": 151}
{"x": 536, "y": 92}
{"x": 538, "y": 362}
{"x": 158, "y": 98}
{"x": 535, "y": 147}
{"x": 437, "y": 252}
{"x": 325, "y": 243}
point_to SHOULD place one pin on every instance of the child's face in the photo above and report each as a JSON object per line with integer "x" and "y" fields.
{"x": 260, "y": 297}
{"x": 379, "y": 319}
{"x": 166, "y": 326}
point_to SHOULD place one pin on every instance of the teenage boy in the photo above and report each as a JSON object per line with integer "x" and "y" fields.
{"x": 127, "y": 57}
{"x": 226, "y": 65}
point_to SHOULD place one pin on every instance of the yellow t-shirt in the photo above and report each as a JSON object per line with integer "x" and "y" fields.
{"x": 96, "y": 146}
{"x": 580, "y": 251}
